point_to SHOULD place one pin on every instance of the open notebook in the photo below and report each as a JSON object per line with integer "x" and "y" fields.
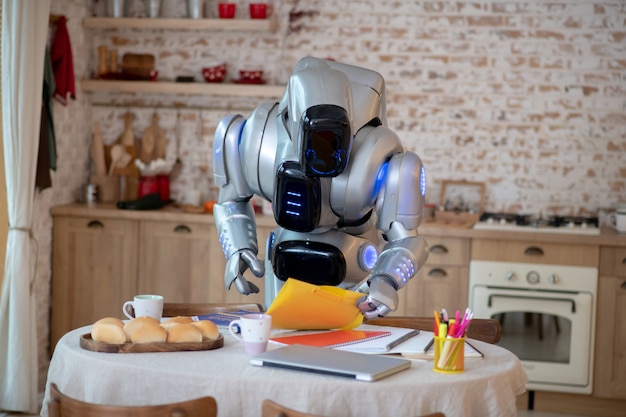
{"x": 332, "y": 362}
{"x": 374, "y": 339}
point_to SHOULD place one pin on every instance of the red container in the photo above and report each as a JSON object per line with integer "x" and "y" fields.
{"x": 258, "y": 10}
{"x": 164, "y": 187}
{"x": 226, "y": 10}
{"x": 147, "y": 185}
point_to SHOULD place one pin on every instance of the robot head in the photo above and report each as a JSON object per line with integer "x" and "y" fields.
{"x": 325, "y": 139}
{"x": 317, "y": 111}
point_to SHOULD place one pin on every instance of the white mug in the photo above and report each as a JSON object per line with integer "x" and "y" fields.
{"x": 144, "y": 305}
{"x": 254, "y": 331}
{"x": 617, "y": 219}
{"x": 192, "y": 197}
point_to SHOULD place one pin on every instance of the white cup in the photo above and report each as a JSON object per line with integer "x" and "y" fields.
{"x": 192, "y": 197}
{"x": 144, "y": 305}
{"x": 617, "y": 220}
{"x": 254, "y": 331}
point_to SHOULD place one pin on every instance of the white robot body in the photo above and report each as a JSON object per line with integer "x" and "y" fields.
{"x": 346, "y": 197}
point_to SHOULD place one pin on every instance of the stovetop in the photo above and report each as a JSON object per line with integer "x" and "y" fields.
{"x": 529, "y": 223}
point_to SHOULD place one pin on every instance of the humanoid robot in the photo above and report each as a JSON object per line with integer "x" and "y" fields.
{"x": 345, "y": 195}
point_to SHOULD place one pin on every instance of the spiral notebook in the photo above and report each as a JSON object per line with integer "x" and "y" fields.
{"x": 369, "y": 340}
{"x": 332, "y": 339}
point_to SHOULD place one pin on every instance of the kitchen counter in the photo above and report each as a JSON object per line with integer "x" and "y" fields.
{"x": 607, "y": 236}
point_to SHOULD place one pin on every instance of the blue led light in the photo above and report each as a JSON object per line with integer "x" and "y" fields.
{"x": 368, "y": 256}
{"x": 423, "y": 181}
{"x": 380, "y": 178}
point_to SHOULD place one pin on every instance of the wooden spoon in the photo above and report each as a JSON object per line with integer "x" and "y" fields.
{"x": 117, "y": 152}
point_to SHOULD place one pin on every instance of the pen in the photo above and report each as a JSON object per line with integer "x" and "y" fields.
{"x": 429, "y": 345}
{"x": 474, "y": 347}
{"x": 400, "y": 340}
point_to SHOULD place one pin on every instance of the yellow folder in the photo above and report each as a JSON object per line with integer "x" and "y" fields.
{"x": 303, "y": 306}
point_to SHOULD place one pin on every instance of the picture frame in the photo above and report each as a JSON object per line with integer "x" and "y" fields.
{"x": 462, "y": 196}
{"x": 461, "y": 203}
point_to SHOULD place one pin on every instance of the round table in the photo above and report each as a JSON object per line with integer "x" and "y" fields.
{"x": 488, "y": 386}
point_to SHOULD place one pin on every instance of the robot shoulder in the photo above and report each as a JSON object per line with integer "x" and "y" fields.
{"x": 354, "y": 192}
{"x": 402, "y": 192}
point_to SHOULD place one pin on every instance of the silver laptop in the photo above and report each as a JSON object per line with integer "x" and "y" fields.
{"x": 360, "y": 366}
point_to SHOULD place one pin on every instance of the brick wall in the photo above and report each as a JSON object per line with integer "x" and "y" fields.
{"x": 528, "y": 97}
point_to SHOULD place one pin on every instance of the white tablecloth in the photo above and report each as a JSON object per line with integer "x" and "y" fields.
{"x": 488, "y": 387}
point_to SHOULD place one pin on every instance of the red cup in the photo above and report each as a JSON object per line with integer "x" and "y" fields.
{"x": 259, "y": 10}
{"x": 226, "y": 10}
{"x": 251, "y": 75}
{"x": 214, "y": 73}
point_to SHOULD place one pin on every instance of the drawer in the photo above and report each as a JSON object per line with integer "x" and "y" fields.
{"x": 447, "y": 251}
{"x": 534, "y": 252}
{"x": 613, "y": 261}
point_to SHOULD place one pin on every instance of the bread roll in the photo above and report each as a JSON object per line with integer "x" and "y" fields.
{"x": 148, "y": 333}
{"x": 176, "y": 320}
{"x": 184, "y": 333}
{"x": 137, "y": 323}
{"x": 208, "y": 329}
{"x": 109, "y": 330}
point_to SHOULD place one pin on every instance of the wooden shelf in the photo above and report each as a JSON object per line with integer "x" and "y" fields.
{"x": 196, "y": 88}
{"x": 180, "y": 24}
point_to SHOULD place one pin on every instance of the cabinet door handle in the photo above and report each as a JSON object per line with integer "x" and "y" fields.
{"x": 439, "y": 249}
{"x": 181, "y": 228}
{"x": 95, "y": 224}
{"x": 623, "y": 286}
{"x": 533, "y": 251}
{"x": 624, "y": 261}
{"x": 437, "y": 273}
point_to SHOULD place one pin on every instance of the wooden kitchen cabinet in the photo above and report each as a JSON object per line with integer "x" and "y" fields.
{"x": 610, "y": 361}
{"x": 184, "y": 262}
{"x": 443, "y": 280}
{"x": 94, "y": 270}
{"x": 534, "y": 252}
{"x": 102, "y": 258}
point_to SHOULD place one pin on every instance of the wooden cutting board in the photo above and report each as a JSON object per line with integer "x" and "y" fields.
{"x": 86, "y": 342}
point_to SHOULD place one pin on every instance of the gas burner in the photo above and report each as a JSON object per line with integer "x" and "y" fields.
{"x": 529, "y": 223}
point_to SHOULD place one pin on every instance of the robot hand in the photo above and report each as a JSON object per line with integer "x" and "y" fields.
{"x": 237, "y": 264}
{"x": 381, "y": 300}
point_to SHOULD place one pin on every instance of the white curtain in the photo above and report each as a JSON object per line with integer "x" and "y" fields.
{"x": 24, "y": 36}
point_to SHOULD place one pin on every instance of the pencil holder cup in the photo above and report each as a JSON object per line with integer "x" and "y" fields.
{"x": 449, "y": 355}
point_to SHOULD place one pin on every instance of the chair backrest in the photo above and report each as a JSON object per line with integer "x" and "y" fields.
{"x": 196, "y": 309}
{"x": 485, "y": 330}
{"x": 60, "y": 405}
{"x": 273, "y": 409}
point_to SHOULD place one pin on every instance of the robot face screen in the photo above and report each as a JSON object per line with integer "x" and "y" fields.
{"x": 326, "y": 140}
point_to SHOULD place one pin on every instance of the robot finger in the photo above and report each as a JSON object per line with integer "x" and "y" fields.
{"x": 256, "y": 266}
{"x": 244, "y": 286}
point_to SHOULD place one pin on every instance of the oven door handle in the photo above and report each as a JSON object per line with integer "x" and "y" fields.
{"x": 564, "y": 300}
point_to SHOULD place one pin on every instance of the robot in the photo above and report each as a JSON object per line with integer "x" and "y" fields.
{"x": 345, "y": 195}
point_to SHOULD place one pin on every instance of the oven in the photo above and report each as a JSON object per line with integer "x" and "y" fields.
{"x": 547, "y": 313}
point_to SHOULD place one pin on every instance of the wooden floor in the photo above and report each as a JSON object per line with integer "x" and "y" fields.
{"x": 546, "y": 404}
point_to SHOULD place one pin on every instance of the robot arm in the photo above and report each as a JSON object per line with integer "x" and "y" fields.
{"x": 234, "y": 214}
{"x": 399, "y": 208}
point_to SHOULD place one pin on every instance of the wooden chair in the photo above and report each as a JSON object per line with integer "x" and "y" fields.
{"x": 196, "y": 309}
{"x": 271, "y": 408}
{"x": 60, "y": 405}
{"x": 485, "y": 330}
